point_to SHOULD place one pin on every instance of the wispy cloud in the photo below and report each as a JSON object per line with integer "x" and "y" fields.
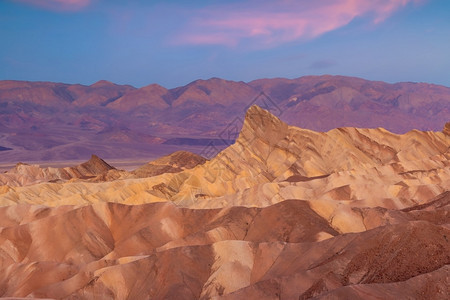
{"x": 58, "y": 5}
{"x": 268, "y": 23}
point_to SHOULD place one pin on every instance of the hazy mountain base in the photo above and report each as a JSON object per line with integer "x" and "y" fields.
{"x": 45, "y": 121}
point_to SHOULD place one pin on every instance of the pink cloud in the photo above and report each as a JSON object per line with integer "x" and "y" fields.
{"x": 58, "y": 5}
{"x": 268, "y": 23}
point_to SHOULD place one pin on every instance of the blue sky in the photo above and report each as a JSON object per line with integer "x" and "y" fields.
{"x": 175, "y": 42}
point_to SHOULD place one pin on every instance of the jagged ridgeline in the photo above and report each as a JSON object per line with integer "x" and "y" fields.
{"x": 284, "y": 212}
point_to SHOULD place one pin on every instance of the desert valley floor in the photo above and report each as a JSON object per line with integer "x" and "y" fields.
{"x": 283, "y": 213}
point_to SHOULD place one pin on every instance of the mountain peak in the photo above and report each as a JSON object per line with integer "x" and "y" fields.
{"x": 260, "y": 123}
{"x": 154, "y": 86}
{"x": 258, "y": 116}
{"x": 94, "y": 166}
{"x": 102, "y": 83}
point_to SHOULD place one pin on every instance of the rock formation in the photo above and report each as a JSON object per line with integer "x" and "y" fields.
{"x": 159, "y": 250}
{"x": 447, "y": 128}
{"x": 283, "y": 213}
{"x": 172, "y": 163}
{"x": 24, "y": 174}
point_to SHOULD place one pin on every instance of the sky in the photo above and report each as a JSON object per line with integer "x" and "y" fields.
{"x": 173, "y": 43}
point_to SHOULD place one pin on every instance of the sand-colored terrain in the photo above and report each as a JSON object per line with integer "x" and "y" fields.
{"x": 162, "y": 251}
{"x": 284, "y": 213}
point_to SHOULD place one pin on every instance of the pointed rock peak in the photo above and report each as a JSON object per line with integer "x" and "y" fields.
{"x": 262, "y": 124}
{"x": 94, "y": 166}
{"x": 97, "y": 160}
{"x": 257, "y": 116}
{"x": 102, "y": 83}
{"x": 446, "y": 128}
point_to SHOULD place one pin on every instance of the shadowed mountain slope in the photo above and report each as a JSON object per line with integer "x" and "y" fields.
{"x": 54, "y": 121}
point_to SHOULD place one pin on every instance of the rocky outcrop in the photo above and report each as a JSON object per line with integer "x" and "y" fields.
{"x": 25, "y": 174}
{"x": 283, "y": 213}
{"x": 172, "y": 163}
{"x": 94, "y": 166}
{"x": 446, "y": 128}
{"x": 268, "y": 155}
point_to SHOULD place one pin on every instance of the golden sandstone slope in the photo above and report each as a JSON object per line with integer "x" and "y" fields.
{"x": 271, "y": 162}
{"x": 285, "y": 213}
{"x": 25, "y": 174}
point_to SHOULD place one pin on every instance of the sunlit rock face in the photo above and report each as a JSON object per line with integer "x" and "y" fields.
{"x": 283, "y": 213}
{"x": 446, "y": 128}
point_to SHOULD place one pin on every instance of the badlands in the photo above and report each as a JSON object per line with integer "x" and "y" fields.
{"x": 283, "y": 213}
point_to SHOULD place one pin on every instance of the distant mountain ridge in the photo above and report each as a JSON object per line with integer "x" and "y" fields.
{"x": 57, "y": 121}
